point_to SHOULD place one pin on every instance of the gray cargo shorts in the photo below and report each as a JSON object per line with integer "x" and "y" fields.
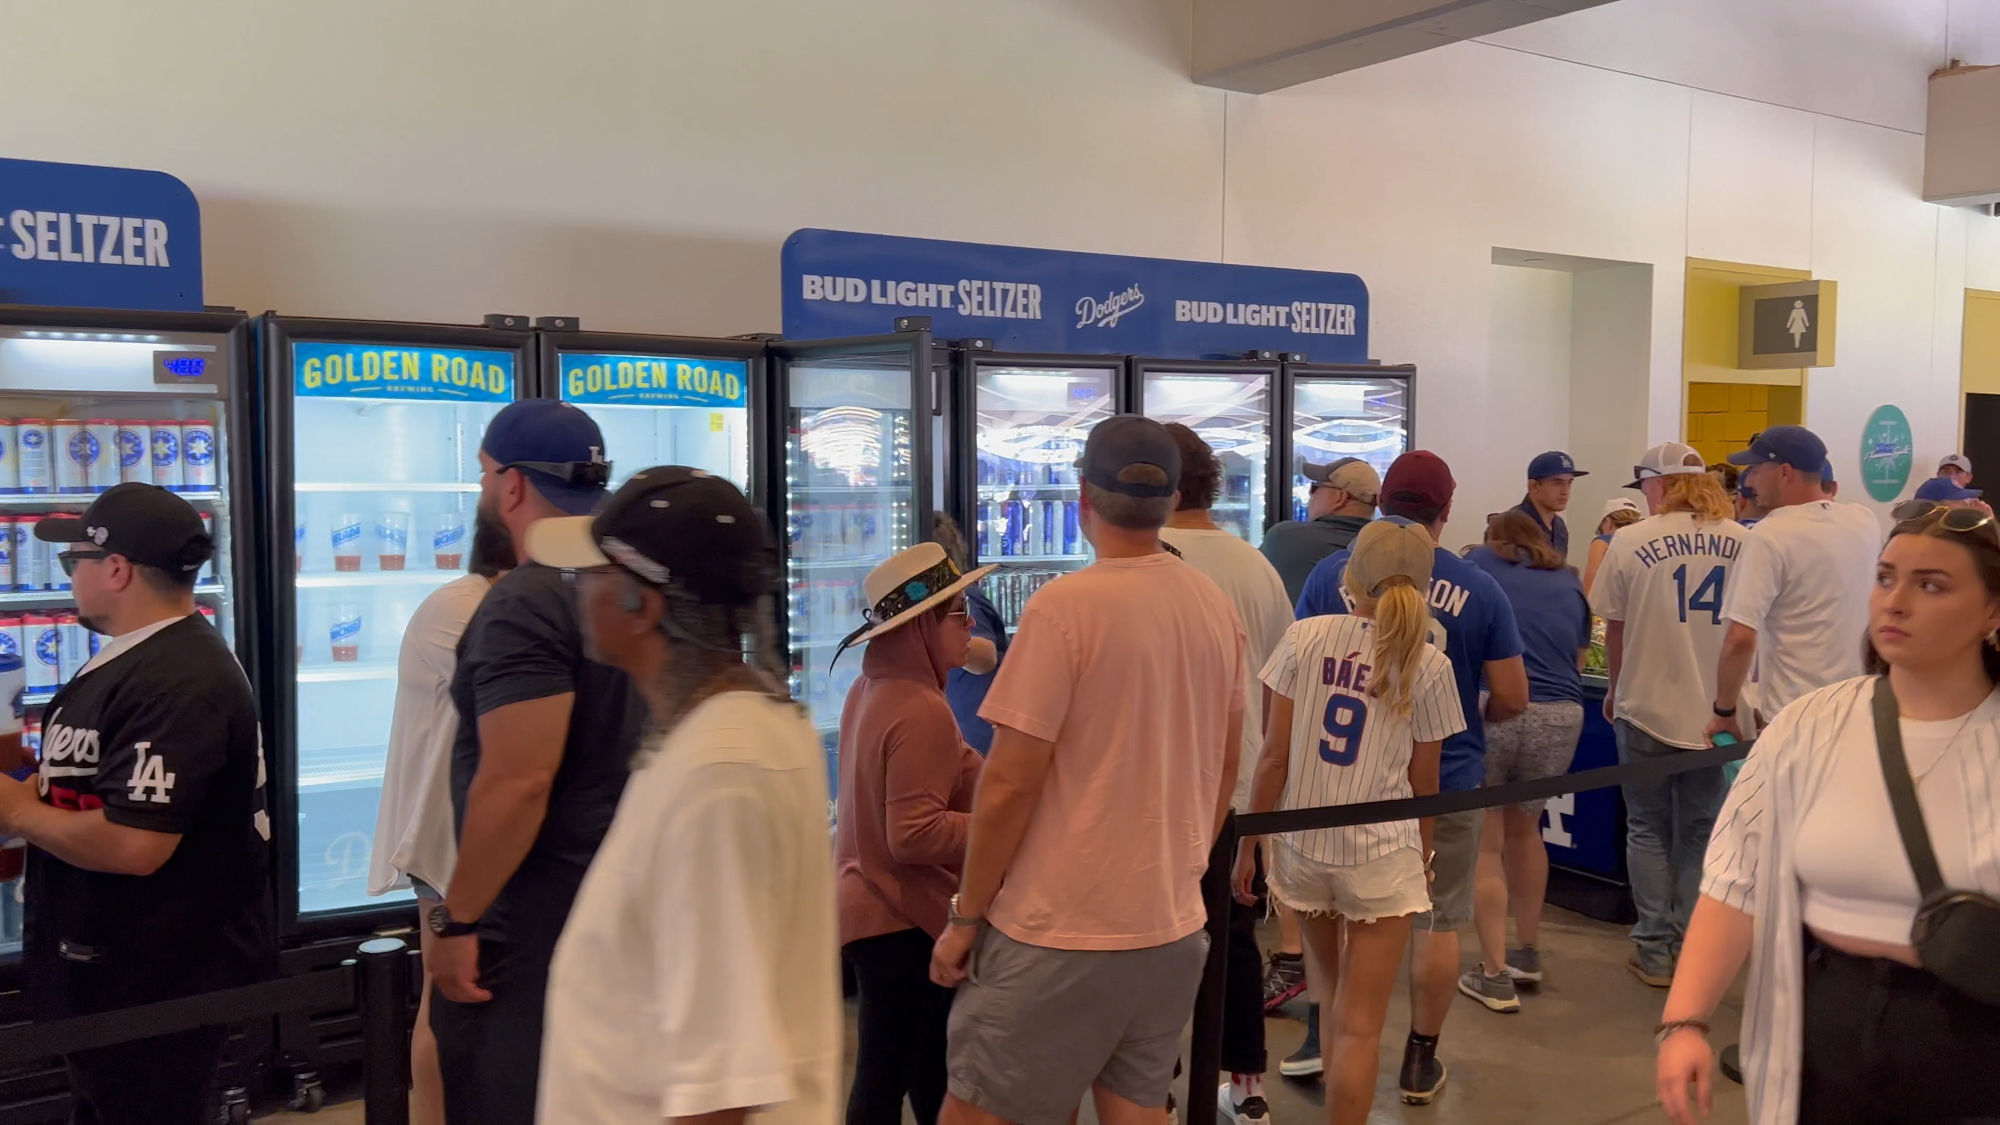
{"x": 1033, "y": 1029}
{"x": 1455, "y": 838}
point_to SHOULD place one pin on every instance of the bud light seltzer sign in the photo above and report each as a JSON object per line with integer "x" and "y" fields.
{"x": 108, "y": 238}
{"x": 839, "y": 283}
{"x": 323, "y": 370}
{"x": 653, "y": 380}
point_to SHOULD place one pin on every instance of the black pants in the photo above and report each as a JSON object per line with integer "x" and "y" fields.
{"x": 168, "y": 1080}
{"x": 900, "y": 1048}
{"x": 490, "y": 1055}
{"x": 1243, "y": 971}
{"x": 1886, "y": 1044}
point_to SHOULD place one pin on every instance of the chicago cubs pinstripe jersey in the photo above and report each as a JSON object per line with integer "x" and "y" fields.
{"x": 1348, "y": 746}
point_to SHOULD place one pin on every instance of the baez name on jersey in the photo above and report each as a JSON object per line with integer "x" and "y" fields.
{"x": 1346, "y": 673}
{"x": 1697, "y": 544}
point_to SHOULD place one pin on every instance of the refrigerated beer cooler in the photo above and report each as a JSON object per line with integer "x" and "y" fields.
{"x": 372, "y": 435}
{"x": 89, "y": 399}
{"x": 1363, "y": 411}
{"x": 1023, "y": 423}
{"x": 1231, "y": 405}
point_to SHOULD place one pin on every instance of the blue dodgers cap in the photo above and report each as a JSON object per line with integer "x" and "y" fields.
{"x": 1789, "y": 445}
{"x": 1554, "y": 463}
{"x": 1944, "y": 491}
{"x": 556, "y": 446}
{"x": 1123, "y": 442}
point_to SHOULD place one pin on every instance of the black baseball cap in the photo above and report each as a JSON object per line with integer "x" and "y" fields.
{"x": 669, "y": 524}
{"x": 144, "y": 522}
{"x": 556, "y": 446}
{"x": 1122, "y": 441}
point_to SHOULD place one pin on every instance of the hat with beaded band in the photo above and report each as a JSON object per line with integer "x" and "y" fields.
{"x": 906, "y": 584}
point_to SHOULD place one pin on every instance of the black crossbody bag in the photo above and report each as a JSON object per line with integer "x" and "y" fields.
{"x": 1957, "y": 933}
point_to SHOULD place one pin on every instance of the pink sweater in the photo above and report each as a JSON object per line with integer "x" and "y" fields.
{"x": 906, "y": 783}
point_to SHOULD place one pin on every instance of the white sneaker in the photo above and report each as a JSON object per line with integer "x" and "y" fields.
{"x": 1253, "y": 1111}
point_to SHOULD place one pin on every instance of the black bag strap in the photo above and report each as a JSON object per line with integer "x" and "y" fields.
{"x": 1903, "y": 791}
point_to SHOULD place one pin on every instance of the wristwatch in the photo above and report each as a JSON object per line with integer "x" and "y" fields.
{"x": 442, "y": 924}
{"x": 955, "y": 918}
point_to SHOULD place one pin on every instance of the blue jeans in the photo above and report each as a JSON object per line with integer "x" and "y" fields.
{"x": 1667, "y": 822}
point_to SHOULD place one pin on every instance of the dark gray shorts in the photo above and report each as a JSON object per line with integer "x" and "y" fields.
{"x": 1033, "y": 1029}
{"x": 1455, "y": 838}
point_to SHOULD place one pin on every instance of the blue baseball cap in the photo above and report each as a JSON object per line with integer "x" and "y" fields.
{"x": 1125, "y": 440}
{"x": 1553, "y": 464}
{"x": 556, "y": 446}
{"x": 1944, "y": 491}
{"x": 1790, "y": 445}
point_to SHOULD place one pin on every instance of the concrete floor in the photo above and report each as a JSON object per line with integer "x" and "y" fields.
{"x": 1580, "y": 1051}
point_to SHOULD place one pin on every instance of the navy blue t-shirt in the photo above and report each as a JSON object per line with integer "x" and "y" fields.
{"x": 1555, "y": 529}
{"x": 1554, "y": 620}
{"x": 966, "y": 691}
{"x": 1478, "y": 625}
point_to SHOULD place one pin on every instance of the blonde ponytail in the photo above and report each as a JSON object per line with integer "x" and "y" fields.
{"x": 1402, "y": 628}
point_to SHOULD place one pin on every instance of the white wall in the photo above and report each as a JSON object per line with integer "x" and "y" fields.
{"x": 638, "y": 162}
{"x": 1528, "y": 348}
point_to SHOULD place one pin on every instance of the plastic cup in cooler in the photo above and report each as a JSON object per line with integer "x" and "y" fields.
{"x": 448, "y": 541}
{"x": 345, "y": 637}
{"x": 392, "y": 539}
{"x": 346, "y": 538}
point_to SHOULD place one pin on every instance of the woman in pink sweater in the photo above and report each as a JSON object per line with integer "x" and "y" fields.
{"x": 906, "y": 782}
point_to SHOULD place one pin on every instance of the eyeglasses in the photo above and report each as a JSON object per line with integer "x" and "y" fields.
{"x": 1960, "y": 520}
{"x": 69, "y": 559}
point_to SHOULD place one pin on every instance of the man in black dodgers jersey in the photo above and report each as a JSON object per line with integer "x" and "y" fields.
{"x": 149, "y": 875}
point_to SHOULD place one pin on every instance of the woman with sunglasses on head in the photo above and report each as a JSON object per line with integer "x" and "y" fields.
{"x": 906, "y": 782}
{"x": 1808, "y": 875}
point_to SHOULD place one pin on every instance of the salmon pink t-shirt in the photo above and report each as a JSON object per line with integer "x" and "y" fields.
{"x": 1131, "y": 667}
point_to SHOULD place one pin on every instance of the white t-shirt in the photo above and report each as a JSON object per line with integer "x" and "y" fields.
{"x": 1667, "y": 579}
{"x": 1802, "y": 582}
{"x": 1252, "y": 585}
{"x": 698, "y": 970}
{"x": 414, "y": 829}
{"x": 1348, "y": 747}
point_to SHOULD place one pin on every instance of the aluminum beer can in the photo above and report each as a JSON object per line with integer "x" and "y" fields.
{"x": 207, "y": 575}
{"x": 41, "y": 651}
{"x": 6, "y": 552}
{"x": 1072, "y": 530}
{"x": 10, "y": 456}
{"x": 1049, "y": 526}
{"x": 102, "y": 442}
{"x": 71, "y": 454}
{"x": 166, "y": 444}
{"x": 36, "y": 469}
{"x": 10, "y": 635}
{"x": 134, "y": 440}
{"x": 74, "y": 650}
{"x": 27, "y": 554}
{"x": 198, "y": 455}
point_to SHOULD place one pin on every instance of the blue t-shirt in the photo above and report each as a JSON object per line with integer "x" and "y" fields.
{"x": 1478, "y": 625}
{"x": 965, "y": 691}
{"x": 1554, "y": 620}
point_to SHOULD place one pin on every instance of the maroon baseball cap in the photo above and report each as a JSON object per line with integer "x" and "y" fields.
{"x": 1417, "y": 486}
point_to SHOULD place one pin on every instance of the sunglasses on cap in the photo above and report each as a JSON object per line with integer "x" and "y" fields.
{"x": 576, "y": 474}
{"x": 1960, "y": 520}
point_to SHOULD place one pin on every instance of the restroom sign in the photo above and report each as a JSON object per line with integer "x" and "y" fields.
{"x": 1789, "y": 325}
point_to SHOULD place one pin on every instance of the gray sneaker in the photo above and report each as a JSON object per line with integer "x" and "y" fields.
{"x": 1525, "y": 965}
{"x": 1495, "y": 990}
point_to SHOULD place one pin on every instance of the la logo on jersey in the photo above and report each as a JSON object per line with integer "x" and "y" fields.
{"x": 150, "y": 779}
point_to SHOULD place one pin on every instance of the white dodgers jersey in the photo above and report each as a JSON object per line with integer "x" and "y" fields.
{"x": 1348, "y": 747}
{"x": 1666, "y": 578}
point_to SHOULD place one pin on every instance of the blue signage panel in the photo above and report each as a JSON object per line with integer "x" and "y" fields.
{"x": 839, "y": 283}
{"x": 653, "y": 380}
{"x": 108, "y": 238}
{"x": 402, "y": 371}
{"x": 1586, "y": 831}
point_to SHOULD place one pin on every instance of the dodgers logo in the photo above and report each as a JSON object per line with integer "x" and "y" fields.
{"x": 83, "y": 448}
{"x": 200, "y": 447}
{"x": 1093, "y": 313}
{"x": 131, "y": 448}
{"x": 166, "y": 447}
{"x": 47, "y": 644}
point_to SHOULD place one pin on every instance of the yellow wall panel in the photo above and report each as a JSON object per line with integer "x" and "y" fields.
{"x": 1982, "y": 343}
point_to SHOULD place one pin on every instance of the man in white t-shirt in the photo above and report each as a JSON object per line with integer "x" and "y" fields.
{"x": 1798, "y": 600}
{"x": 696, "y": 975}
{"x": 416, "y": 844}
{"x": 1252, "y": 585}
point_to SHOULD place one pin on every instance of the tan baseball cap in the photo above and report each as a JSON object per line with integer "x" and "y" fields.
{"x": 1386, "y": 549}
{"x": 1351, "y": 475}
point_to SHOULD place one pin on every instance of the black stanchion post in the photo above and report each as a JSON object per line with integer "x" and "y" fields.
{"x": 385, "y": 1031}
{"x": 1205, "y": 1046}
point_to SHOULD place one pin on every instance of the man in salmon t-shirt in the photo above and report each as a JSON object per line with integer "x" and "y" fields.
{"x": 1117, "y": 718}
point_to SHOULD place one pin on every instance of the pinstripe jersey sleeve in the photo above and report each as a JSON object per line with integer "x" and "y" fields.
{"x": 1435, "y": 714}
{"x": 1281, "y": 672}
{"x": 1729, "y": 872}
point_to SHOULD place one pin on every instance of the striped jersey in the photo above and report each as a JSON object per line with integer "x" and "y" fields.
{"x": 1349, "y": 747}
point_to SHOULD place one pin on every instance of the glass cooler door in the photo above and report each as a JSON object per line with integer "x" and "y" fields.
{"x": 664, "y": 401}
{"x": 1337, "y": 412}
{"x": 852, "y": 489}
{"x": 1030, "y": 419}
{"x": 381, "y": 426}
{"x": 1230, "y": 405}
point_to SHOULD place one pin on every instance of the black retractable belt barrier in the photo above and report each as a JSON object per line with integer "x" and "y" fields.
{"x": 1205, "y": 1049}
{"x": 381, "y": 972}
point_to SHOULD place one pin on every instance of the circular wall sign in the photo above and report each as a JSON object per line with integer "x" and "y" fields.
{"x": 1887, "y": 450}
